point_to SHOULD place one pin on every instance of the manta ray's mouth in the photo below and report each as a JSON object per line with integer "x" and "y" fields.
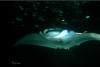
{"x": 56, "y": 34}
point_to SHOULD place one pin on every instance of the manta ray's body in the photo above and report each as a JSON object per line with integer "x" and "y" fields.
{"x": 55, "y": 39}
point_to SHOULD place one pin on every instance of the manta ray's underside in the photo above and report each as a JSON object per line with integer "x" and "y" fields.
{"x": 52, "y": 38}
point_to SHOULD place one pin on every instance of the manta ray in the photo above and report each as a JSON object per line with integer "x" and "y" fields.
{"x": 57, "y": 38}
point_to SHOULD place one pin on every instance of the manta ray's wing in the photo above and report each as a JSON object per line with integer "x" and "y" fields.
{"x": 77, "y": 39}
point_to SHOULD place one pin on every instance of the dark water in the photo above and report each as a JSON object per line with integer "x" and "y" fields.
{"x": 23, "y": 18}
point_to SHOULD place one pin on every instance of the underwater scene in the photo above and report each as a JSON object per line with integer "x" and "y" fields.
{"x": 53, "y": 33}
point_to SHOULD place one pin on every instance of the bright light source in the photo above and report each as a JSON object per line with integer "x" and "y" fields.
{"x": 62, "y": 34}
{"x": 53, "y": 34}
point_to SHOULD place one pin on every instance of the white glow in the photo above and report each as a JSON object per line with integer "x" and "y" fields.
{"x": 52, "y": 34}
{"x": 62, "y": 34}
